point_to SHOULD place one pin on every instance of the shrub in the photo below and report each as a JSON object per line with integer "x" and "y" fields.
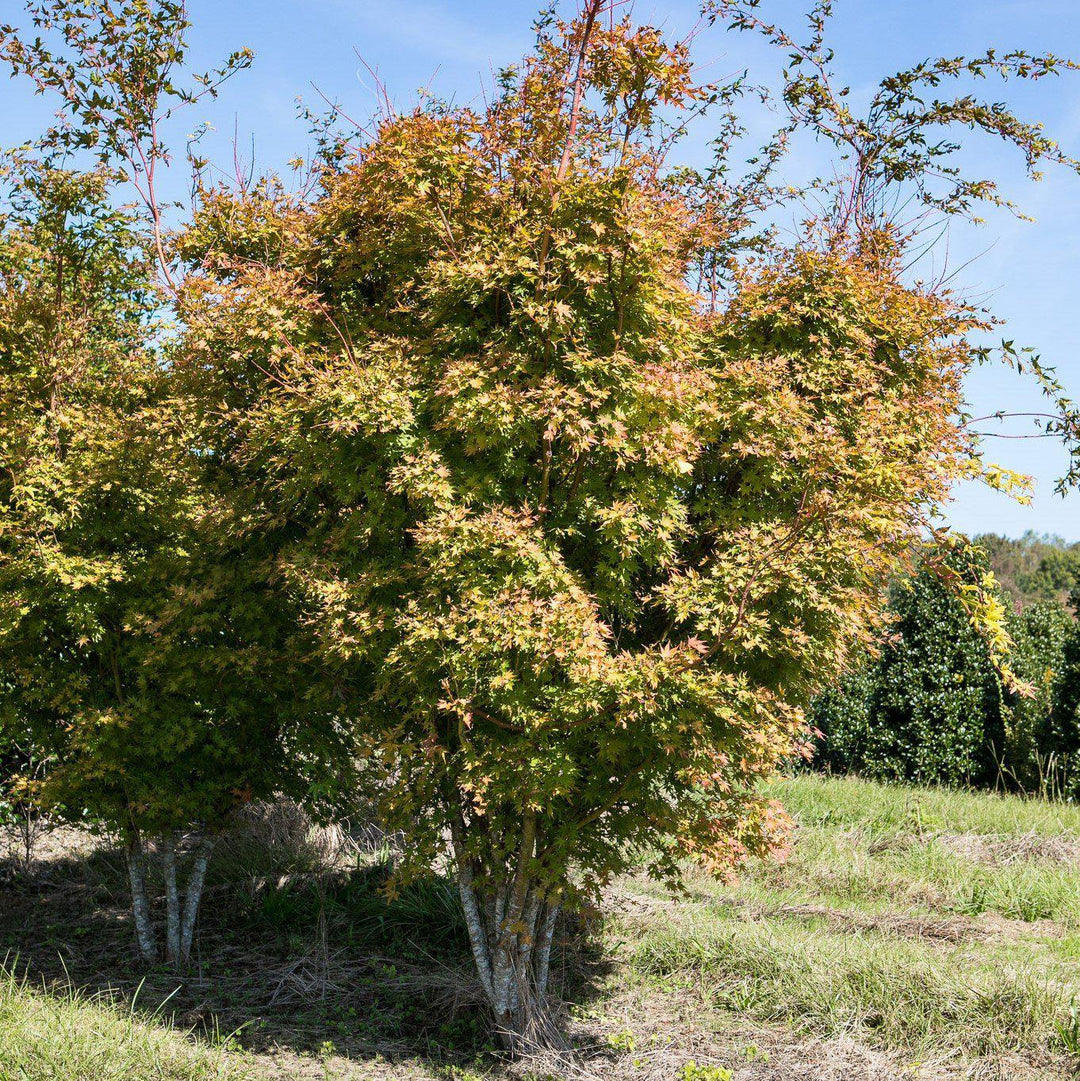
{"x": 930, "y": 707}
{"x": 841, "y": 717}
{"x": 1038, "y": 747}
{"x": 1061, "y": 730}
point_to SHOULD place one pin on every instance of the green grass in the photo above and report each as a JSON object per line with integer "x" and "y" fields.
{"x": 895, "y": 992}
{"x": 848, "y": 802}
{"x": 881, "y": 848}
{"x": 67, "y": 1037}
{"x": 923, "y": 921}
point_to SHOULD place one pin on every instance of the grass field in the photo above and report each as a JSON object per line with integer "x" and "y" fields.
{"x": 911, "y": 933}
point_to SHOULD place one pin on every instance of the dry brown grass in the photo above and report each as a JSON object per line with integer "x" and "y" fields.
{"x": 1001, "y": 850}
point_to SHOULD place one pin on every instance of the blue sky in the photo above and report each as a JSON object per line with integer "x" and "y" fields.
{"x": 1029, "y": 274}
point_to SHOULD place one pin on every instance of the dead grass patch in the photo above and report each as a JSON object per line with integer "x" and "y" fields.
{"x": 1001, "y": 850}
{"x": 945, "y": 930}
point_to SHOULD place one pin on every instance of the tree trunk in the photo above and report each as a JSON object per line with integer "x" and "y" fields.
{"x": 510, "y": 931}
{"x": 478, "y": 935}
{"x": 543, "y": 948}
{"x": 172, "y": 902}
{"x": 140, "y": 903}
{"x": 196, "y": 881}
{"x": 521, "y": 952}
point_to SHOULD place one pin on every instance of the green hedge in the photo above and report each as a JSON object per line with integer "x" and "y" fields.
{"x": 932, "y": 708}
{"x": 1039, "y": 746}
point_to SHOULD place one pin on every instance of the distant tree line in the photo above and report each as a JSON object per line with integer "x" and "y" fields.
{"x": 1034, "y": 567}
{"x": 933, "y": 705}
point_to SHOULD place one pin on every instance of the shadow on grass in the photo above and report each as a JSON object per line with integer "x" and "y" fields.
{"x": 302, "y": 962}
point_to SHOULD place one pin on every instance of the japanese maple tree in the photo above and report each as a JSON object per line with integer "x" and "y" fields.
{"x": 582, "y": 480}
{"x": 139, "y": 658}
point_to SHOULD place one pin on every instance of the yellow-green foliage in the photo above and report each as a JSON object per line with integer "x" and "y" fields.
{"x": 576, "y": 549}
{"x": 128, "y": 633}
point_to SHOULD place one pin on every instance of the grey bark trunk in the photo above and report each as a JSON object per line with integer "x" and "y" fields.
{"x": 543, "y": 948}
{"x": 521, "y": 1005}
{"x": 196, "y": 881}
{"x": 478, "y": 939}
{"x": 510, "y": 928}
{"x": 172, "y": 902}
{"x": 140, "y": 903}
{"x": 513, "y": 960}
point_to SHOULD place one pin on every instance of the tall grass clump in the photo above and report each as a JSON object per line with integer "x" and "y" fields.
{"x": 70, "y": 1037}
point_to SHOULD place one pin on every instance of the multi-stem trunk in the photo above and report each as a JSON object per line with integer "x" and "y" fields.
{"x": 182, "y": 918}
{"x": 511, "y": 926}
{"x": 182, "y": 909}
{"x": 172, "y": 901}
